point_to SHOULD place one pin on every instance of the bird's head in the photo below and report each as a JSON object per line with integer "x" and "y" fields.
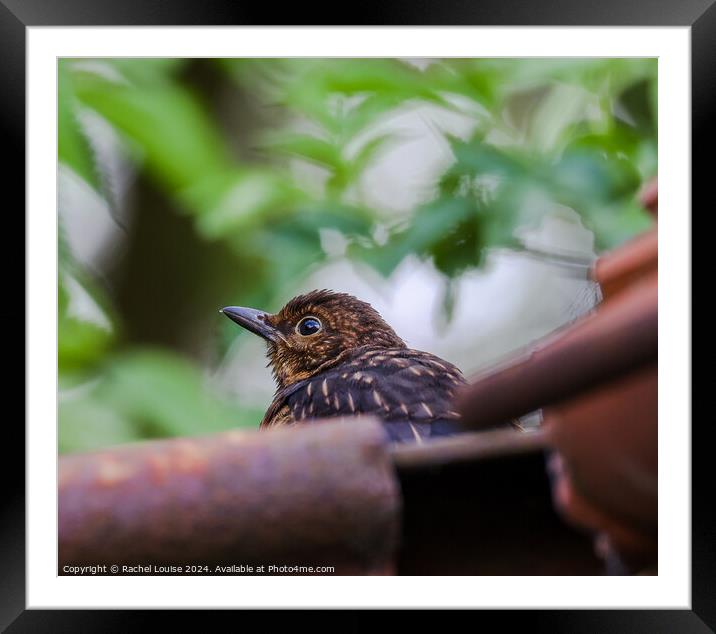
{"x": 312, "y": 332}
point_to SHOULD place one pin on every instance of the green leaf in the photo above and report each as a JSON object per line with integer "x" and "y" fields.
{"x": 148, "y": 71}
{"x": 366, "y": 113}
{"x": 73, "y": 148}
{"x": 613, "y": 225}
{"x": 477, "y": 157}
{"x": 431, "y": 224}
{"x": 181, "y": 147}
{"x": 636, "y": 101}
{"x": 367, "y": 154}
{"x": 350, "y": 220}
{"x": 583, "y": 178}
{"x": 310, "y": 148}
{"x": 357, "y": 76}
{"x": 80, "y": 343}
{"x": 248, "y": 198}
{"x": 460, "y": 248}
{"x": 166, "y": 396}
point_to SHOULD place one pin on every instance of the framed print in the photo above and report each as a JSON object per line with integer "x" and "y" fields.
{"x": 374, "y": 306}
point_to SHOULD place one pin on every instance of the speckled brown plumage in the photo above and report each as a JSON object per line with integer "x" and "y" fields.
{"x": 355, "y": 364}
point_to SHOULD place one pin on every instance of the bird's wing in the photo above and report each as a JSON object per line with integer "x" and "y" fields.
{"x": 411, "y": 391}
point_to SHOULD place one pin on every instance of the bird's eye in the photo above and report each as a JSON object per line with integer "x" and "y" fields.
{"x": 308, "y": 326}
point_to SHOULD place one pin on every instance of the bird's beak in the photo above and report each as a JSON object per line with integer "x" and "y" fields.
{"x": 253, "y": 320}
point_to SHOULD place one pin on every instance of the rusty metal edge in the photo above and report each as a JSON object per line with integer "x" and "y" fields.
{"x": 465, "y": 447}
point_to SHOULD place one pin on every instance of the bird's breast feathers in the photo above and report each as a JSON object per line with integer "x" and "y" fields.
{"x": 412, "y": 391}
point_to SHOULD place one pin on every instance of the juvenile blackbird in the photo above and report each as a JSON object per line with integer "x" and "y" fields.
{"x": 333, "y": 355}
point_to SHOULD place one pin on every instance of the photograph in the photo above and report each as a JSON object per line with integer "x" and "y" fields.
{"x": 357, "y": 316}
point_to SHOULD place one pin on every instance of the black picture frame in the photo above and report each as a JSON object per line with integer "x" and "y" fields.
{"x": 700, "y": 15}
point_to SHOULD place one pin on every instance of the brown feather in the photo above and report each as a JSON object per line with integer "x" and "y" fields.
{"x": 356, "y": 364}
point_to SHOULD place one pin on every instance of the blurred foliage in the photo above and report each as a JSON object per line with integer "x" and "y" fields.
{"x": 580, "y": 133}
{"x": 143, "y": 394}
